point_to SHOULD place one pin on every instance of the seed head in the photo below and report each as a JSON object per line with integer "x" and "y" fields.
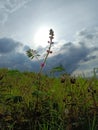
{"x": 51, "y": 33}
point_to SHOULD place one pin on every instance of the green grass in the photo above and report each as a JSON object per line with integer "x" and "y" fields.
{"x": 29, "y": 103}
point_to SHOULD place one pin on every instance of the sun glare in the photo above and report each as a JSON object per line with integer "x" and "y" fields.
{"x": 41, "y": 36}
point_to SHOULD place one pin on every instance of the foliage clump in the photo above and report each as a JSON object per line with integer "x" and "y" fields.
{"x": 70, "y": 105}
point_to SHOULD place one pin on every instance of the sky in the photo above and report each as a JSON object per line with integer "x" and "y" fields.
{"x": 25, "y": 24}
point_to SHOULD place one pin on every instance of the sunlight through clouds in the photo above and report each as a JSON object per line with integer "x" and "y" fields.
{"x": 28, "y": 21}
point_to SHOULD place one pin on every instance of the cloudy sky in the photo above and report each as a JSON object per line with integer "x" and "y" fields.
{"x": 25, "y": 24}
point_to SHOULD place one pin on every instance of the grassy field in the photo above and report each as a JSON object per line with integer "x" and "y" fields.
{"x": 29, "y": 101}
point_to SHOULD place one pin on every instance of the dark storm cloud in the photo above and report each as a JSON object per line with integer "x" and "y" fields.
{"x": 13, "y": 54}
{"x": 71, "y": 56}
{"x": 89, "y": 58}
{"x": 7, "y": 45}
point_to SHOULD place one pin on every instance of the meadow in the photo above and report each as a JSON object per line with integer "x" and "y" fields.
{"x": 32, "y": 102}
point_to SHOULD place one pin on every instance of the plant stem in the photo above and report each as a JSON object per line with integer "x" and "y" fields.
{"x": 46, "y": 56}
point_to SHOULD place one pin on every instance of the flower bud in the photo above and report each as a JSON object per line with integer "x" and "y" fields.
{"x": 50, "y": 51}
{"x": 42, "y": 65}
{"x": 51, "y": 32}
{"x": 47, "y": 51}
{"x": 51, "y": 37}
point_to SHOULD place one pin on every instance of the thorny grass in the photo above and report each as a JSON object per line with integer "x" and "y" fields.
{"x": 68, "y": 105}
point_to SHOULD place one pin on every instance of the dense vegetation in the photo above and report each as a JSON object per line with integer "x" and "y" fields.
{"x": 32, "y": 102}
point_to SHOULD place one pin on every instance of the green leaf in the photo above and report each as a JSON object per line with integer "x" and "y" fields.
{"x": 32, "y": 53}
{"x": 57, "y": 69}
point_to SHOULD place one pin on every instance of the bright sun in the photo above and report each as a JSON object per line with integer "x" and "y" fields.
{"x": 41, "y": 36}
